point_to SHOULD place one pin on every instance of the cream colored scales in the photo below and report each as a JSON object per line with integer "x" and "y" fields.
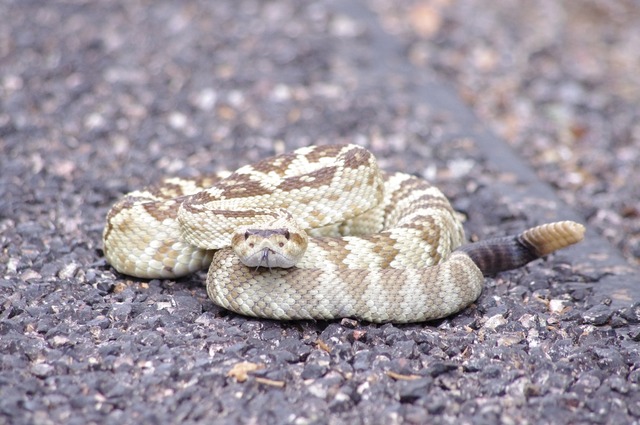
{"x": 380, "y": 246}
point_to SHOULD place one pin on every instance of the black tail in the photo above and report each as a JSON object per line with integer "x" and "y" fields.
{"x": 510, "y": 252}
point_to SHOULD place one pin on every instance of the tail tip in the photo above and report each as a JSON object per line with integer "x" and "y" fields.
{"x": 551, "y": 237}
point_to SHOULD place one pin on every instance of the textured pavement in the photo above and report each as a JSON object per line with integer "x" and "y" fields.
{"x": 99, "y": 98}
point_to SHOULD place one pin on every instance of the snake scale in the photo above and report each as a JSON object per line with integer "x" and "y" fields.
{"x": 318, "y": 233}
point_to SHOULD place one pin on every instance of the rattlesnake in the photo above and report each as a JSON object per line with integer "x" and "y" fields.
{"x": 381, "y": 247}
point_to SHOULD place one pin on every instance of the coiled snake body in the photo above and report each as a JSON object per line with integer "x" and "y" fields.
{"x": 319, "y": 233}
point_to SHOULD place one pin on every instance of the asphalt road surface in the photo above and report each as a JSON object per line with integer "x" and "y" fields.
{"x": 100, "y": 98}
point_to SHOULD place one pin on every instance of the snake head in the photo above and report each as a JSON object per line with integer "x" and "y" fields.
{"x": 271, "y": 245}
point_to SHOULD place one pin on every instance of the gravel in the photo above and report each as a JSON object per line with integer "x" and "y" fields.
{"x": 99, "y": 98}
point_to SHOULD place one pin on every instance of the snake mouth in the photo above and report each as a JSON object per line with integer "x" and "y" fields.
{"x": 265, "y": 258}
{"x": 268, "y": 258}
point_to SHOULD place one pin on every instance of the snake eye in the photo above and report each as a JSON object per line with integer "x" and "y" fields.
{"x": 286, "y": 235}
{"x": 246, "y": 235}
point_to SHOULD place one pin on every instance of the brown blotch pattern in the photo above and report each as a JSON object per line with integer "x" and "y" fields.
{"x": 335, "y": 250}
{"x": 314, "y": 179}
{"x": 386, "y": 252}
{"x": 161, "y": 211}
{"x": 242, "y": 186}
{"x": 206, "y": 182}
{"x": 355, "y": 158}
{"x": 275, "y": 165}
{"x": 324, "y": 152}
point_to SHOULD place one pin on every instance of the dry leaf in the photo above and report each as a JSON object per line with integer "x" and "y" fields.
{"x": 270, "y": 382}
{"x": 240, "y": 371}
{"x": 401, "y": 377}
{"x": 323, "y": 345}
